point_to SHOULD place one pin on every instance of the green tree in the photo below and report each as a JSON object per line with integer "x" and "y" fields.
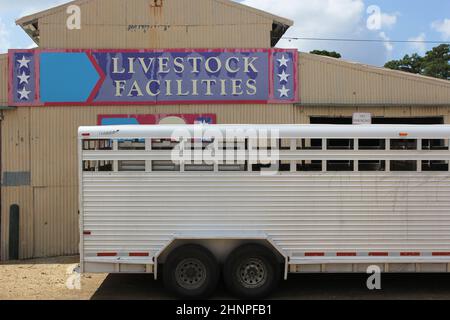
{"x": 332, "y": 54}
{"x": 411, "y": 64}
{"x": 435, "y": 63}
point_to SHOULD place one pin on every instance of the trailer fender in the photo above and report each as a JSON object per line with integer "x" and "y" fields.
{"x": 234, "y": 239}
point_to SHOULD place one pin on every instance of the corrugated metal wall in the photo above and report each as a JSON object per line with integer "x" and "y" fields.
{"x": 303, "y": 115}
{"x": 327, "y": 80}
{"x": 142, "y": 24}
{"x": 3, "y": 79}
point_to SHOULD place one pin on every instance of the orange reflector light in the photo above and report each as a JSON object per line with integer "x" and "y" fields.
{"x": 403, "y": 134}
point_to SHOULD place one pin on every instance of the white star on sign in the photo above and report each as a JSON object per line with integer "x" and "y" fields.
{"x": 23, "y": 78}
{"x": 284, "y": 92}
{"x": 24, "y": 62}
{"x": 24, "y": 94}
{"x": 283, "y": 61}
{"x": 284, "y": 76}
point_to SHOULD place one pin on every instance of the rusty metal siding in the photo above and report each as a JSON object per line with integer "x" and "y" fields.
{"x": 141, "y": 24}
{"x": 3, "y": 79}
{"x": 327, "y": 80}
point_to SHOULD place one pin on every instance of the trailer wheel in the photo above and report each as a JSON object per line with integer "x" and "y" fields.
{"x": 252, "y": 272}
{"x": 191, "y": 272}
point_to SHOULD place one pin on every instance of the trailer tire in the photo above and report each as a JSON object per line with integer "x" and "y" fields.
{"x": 252, "y": 272}
{"x": 191, "y": 272}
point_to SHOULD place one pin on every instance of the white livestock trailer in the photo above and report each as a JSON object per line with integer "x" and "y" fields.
{"x": 257, "y": 202}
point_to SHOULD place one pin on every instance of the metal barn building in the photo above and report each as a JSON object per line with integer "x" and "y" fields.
{"x": 39, "y": 142}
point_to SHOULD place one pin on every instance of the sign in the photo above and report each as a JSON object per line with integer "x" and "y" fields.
{"x": 153, "y": 119}
{"x": 150, "y": 77}
{"x": 362, "y": 118}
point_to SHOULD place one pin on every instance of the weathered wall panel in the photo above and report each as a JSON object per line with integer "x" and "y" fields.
{"x": 3, "y": 79}
{"x": 16, "y": 140}
{"x": 55, "y": 221}
{"x": 175, "y": 24}
{"x": 302, "y": 115}
{"x": 23, "y": 197}
{"x": 15, "y": 157}
{"x": 327, "y": 80}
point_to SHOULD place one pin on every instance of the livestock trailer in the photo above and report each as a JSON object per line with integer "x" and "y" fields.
{"x": 257, "y": 202}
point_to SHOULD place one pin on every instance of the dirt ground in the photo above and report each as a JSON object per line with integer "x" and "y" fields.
{"x": 48, "y": 279}
{"x": 45, "y": 279}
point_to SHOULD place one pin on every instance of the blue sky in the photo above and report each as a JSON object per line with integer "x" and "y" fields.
{"x": 399, "y": 20}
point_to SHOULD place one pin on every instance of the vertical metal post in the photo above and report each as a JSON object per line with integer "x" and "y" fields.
{"x": 388, "y": 162}
{"x": 115, "y": 162}
{"x": 419, "y": 162}
{"x": 148, "y": 148}
{"x": 294, "y": 149}
{"x": 324, "y": 148}
{"x": 356, "y": 162}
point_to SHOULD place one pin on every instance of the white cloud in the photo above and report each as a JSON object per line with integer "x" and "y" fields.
{"x": 387, "y": 44}
{"x": 419, "y": 46}
{"x": 4, "y": 38}
{"x": 443, "y": 27}
{"x": 388, "y": 20}
{"x": 315, "y": 17}
{"x": 332, "y": 19}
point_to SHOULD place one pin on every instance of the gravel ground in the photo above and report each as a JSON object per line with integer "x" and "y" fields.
{"x": 45, "y": 279}
{"x": 48, "y": 278}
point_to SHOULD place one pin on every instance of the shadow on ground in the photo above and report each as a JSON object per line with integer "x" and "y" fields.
{"x": 304, "y": 287}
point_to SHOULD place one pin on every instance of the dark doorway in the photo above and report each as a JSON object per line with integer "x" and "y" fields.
{"x": 14, "y": 222}
{"x": 379, "y": 120}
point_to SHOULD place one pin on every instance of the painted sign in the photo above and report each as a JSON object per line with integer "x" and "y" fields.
{"x": 153, "y": 119}
{"x": 130, "y": 77}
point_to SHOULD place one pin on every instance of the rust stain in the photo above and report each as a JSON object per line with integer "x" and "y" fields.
{"x": 156, "y": 10}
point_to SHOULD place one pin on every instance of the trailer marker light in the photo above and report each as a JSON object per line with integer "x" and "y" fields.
{"x": 87, "y": 233}
{"x": 107, "y": 254}
{"x": 378, "y": 254}
{"x": 403, "y": 134}
{"x": 85, "y": 134}
{"x": 314, "y": 254}
{"x": 346, "y": 254}
{"x": 409, "y": 254}
{"x": 441, "y": 254}
{"x": 139, "y": 254}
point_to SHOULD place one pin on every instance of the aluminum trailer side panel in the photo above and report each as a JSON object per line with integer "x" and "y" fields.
{"x": 315, "y": 218}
